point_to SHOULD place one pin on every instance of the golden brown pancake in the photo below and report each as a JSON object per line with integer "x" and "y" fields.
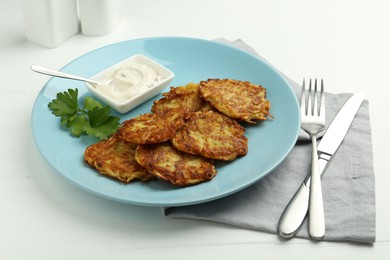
{"x": 212, "y": 135}
{"x": 169, "y": 164}
{"x": 240, "y": 100}
{"x": 153, "y": 128}
{"x": 115, "y": 158}
{"x": 181, "y": 97}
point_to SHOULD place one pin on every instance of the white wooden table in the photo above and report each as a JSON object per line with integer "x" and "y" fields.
{"x": 42, "y": 216}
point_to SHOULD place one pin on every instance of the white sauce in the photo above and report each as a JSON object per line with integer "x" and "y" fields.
{"x": 128, "y": 81}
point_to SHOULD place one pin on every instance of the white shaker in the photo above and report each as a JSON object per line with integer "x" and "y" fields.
{"x": 49, "y": 22}
{"x": 100, "y": 17}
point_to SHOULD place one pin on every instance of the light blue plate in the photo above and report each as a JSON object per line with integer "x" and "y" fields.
{"x": 192, "y": 60}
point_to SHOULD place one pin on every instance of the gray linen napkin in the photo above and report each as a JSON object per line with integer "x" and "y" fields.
{"x": 348, "y": 184}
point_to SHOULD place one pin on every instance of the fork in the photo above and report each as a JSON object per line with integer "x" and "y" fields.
{"x": 313, "y": 122}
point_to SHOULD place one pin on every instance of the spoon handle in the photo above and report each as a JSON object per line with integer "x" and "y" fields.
{"x": 60, "y": 74}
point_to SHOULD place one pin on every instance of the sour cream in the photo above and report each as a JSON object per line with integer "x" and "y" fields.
{"x": 131, "y": 82}
{"x": 128, "y": 81}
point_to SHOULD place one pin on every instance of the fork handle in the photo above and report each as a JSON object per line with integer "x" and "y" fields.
{"x": 316, "y": 205}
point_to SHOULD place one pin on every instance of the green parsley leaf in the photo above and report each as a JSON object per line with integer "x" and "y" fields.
{"x": 93, "y": 119}
{"x": 65, "y": 104}
{"x": 90, "y": 103}
{"x": 77, "y": 125}
{"x": 101, "y": 124}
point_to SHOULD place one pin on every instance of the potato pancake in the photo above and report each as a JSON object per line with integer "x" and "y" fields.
{"x": 153, "y": 128}
{"x": 240, "y": 100}
{"x": 115, "y": 158}
{"x": 169, "y": 164}
{"x": 212, "y": 135}
{"x": 181, "y": 97}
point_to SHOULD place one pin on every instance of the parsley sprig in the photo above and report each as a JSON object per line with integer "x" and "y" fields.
{"x": 92, "y": 119}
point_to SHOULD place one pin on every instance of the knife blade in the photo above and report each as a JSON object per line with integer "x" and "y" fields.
{"x": 295, "y": 212}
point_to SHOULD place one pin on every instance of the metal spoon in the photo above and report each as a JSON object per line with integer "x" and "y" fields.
{"x": 60, "y": 74}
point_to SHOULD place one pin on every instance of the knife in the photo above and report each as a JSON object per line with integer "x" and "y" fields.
{"x": 296, "y": 210}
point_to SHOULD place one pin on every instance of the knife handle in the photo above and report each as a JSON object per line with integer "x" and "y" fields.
{"x": 295, "y": 212}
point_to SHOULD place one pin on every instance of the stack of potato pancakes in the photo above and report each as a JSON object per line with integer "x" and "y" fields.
{"x": 189, "y": 128}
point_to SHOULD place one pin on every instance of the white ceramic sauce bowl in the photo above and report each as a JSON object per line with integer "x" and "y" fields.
{"x": 125, "y": 105}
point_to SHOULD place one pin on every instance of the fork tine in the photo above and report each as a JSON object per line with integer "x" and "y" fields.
{"x": 322, "y": 102}
{"x": 309, "y": 108}
{"x": 316, "y": 108}
{"x": 303, "y": 99}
